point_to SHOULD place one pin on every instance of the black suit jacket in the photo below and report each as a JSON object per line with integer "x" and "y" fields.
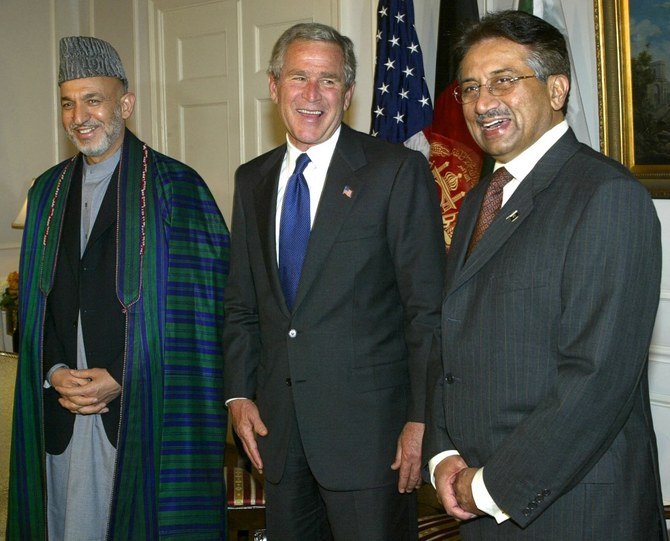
{"x": 545, "y": 336}
{"x": 350, "y": 360}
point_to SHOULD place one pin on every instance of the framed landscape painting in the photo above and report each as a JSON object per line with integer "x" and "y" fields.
{"x": 633, "y": 49}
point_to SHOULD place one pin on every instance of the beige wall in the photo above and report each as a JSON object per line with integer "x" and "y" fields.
{"x": 28, "y": 127}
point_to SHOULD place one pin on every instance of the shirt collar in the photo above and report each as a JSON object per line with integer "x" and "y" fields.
{"x": 319, "y": 155}
{"x": 521, "y": 165}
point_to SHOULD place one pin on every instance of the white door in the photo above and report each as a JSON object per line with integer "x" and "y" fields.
{"x": 197, "y": 60}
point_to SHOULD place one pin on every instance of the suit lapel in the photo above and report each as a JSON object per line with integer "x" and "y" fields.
{"x": 265, "y": 196}
{"x": 464, "y": 228}
{"x": 515, "y": 211}
{"x": 511, "y": 216}
{"x": 334, "y": 206}
{"x": 71, "y": 234}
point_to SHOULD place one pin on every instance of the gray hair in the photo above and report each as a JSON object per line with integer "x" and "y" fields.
{"x": 313, "y": 32}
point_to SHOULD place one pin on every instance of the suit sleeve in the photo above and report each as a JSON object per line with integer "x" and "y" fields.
{"x": 609, "y": 294}
{"x": 417, "y": 248}
{"x": 241, "y": 335}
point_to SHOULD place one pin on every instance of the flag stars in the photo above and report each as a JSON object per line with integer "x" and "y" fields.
{"x": 401, "y": 98}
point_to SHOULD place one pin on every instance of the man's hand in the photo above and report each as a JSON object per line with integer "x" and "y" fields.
{"x": 87, "y": 391}
{"x": 445, "y": 478}
{"x": 408, "y": 457}
{"x": 463, "y": 490}
{"x": 247, "y": 423}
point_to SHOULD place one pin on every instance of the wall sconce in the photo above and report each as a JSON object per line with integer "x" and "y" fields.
{"x": 20, "y": 219}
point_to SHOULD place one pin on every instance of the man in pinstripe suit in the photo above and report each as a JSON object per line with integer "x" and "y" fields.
{"x": 538, "y": 423}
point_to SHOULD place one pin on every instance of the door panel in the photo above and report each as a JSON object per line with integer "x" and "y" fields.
{"x": 200, "y": 91}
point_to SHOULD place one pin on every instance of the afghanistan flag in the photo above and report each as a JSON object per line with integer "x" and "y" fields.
{"x": 455, "y": 159}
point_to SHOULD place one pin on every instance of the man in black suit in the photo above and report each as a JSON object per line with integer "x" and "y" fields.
{"x": 326, "y": 357}
{"x": 540, "y": 425}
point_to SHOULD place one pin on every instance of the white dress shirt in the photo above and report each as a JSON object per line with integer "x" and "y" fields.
{"x": 315, "y": 175}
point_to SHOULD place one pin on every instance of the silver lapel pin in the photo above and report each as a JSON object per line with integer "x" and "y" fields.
{"x": 513, "y": 217}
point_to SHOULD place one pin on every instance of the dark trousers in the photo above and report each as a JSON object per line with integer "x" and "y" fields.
{"x": 298, "y": 508}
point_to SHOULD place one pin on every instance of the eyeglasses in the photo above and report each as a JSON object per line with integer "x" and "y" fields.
{"x": 497, "y": 86}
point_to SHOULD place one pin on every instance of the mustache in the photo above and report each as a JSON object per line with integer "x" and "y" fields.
{"x": 88, "y": 124}
{"x": 493, "y": 113}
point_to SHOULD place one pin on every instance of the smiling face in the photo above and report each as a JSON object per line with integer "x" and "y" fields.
{"x": 505, "y": 126}
{"x": 310, "y": 92}
{"x": 93, "y": 112}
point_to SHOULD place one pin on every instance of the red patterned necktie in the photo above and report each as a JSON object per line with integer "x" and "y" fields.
{"x": 491, "y": 205}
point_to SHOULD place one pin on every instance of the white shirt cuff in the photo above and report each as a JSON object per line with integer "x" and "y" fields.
{"x": 433, "y": 462}
{"x": 235, "y": 398}
{"x": 483, "y": 499}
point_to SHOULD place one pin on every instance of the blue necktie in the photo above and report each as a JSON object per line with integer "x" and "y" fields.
{"x": 294, "y": 230}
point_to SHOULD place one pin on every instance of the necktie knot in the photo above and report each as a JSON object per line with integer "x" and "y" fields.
{"x": 300, "y": 164}
{"x": 499, "y": 178}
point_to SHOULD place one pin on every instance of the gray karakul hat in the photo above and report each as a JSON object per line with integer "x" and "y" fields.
{"x": 82, "y": 56}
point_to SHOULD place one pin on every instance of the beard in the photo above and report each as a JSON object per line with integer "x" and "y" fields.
{"x": 111, "y": 131}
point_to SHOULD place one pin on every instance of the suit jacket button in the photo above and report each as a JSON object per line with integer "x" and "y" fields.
{"x": 293, "y": 333}
{"x": 525, "y": 512}
{"x": 450, "y": 378}
{"x": 546, "y": 492}
{"x": 288, "y": 382}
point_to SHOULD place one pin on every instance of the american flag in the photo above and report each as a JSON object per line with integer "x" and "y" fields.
{"x": 401, "y": 106}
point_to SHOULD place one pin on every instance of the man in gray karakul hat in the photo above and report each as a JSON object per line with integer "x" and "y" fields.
{"x": 84, "y": 57}
{"x": 118, "y": 425}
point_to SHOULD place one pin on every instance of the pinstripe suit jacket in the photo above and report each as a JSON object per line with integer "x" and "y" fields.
{"x": 545, "y": 336}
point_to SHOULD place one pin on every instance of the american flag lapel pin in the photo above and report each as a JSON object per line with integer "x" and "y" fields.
{"x": 347, "y": 191}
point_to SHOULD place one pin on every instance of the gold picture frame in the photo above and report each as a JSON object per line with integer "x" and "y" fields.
{"x": 615, "y": 94}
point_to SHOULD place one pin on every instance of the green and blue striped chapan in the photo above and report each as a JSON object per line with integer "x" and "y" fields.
{"x": 172, "y": 265}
